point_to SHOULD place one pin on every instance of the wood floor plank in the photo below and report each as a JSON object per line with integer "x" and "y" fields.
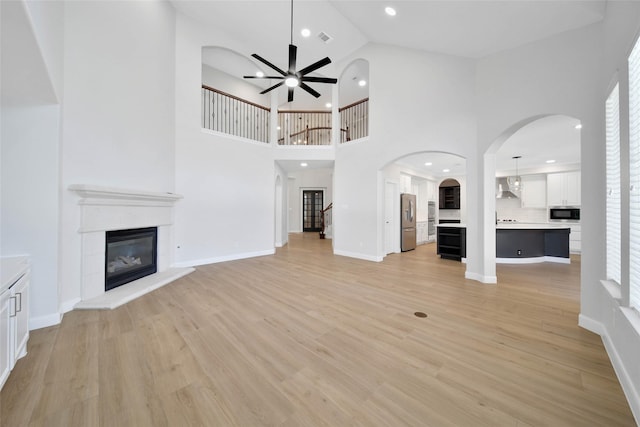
{"x": 306, "y": 338}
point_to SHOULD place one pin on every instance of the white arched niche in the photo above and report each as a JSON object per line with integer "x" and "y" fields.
{"x": 354, "y": 101}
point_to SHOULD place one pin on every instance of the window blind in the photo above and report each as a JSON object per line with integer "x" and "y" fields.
{"x": 634, "y": 177}
{"x": 613, "y": 185}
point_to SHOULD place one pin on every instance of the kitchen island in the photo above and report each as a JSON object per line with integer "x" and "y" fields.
{"x": 521, "y": 243}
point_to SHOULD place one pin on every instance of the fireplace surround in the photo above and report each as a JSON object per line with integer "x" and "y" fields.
{"x": 107, "y": 209}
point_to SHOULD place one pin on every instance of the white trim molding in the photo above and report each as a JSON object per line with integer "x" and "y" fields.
{"x": 105, "y": 209}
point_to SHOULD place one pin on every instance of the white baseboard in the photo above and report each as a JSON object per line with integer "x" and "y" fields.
{"x": 44, "y": 321}
{"x": 533, "y": 260}
{"x": 358, "y": 255}
{"x": 67, "y": 306}
{"x": 591, "y": 325}
{"x": 490, "y": 280}
{"x": 631, "y": 393}
{"x": 215, "y": 260}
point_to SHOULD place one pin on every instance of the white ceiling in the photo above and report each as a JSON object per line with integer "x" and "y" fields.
{"x": 469, "y": 28}
{"x": 550, "y": 138}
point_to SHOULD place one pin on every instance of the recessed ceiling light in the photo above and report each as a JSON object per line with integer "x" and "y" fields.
{"x": 362, "y": 83}
{"x": 303, "y": 164}
{"x": 390, "y": 11}
{"x": 446, "y": 170}
{"x": 428, "y": 164}
{"x": 550, "y": 161}
{"x": 305, "y": 32}
{"x": 328, "y": 105}
{"x": 278, "y": 128}
{"x": 259, "y": 74}
{"x": 579, "y": 126}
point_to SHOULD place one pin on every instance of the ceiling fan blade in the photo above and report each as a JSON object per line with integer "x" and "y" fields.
{"x": 272, "y": 88}
{"x": 319, "y": 79}
{"x": 263, "y": 77}
{"x": 293, "y": 51}
{"x": 264, "y": 61}
{"x": 310, "y": 90}
{"x": 315, "y": 66}
{"x": 290, "y": 95}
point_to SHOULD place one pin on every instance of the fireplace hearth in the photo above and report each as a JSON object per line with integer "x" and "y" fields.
{"x": 130, "y": 255}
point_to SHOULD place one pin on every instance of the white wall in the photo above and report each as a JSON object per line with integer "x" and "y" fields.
{"x": 564, "y": 75}
{"x": 30, "y": 141}
{"x": 118, "y": 115}
{"x": 436, "y": 115}
{"x": 312, "y": 179}
{"x": 30, "y": 168}
{"x": 228, "y": 211}
{"x": 233, "y": 85}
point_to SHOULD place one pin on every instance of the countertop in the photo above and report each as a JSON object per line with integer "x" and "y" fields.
{"x": 11, "y": 269}
{"x": 530, "y": 226}
{"x": 517, "y": 226}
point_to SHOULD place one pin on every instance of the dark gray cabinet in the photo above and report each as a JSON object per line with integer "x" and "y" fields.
{"x": 452, "y": 242}
{"x": 449, "y": 197}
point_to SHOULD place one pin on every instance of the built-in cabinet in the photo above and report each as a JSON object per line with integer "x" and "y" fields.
{"x": 14, "y": 313}
{"x": 534, "y": 191}
{"x": 452, "y": 242}
{"x": 575, "y": 239}
{"x": 449, "y": 197}
{"x": 422, "y": 232}
{"x": 563, "y": 189}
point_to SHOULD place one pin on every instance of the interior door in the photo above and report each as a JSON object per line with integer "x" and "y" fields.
{"x": 312, "y": 205}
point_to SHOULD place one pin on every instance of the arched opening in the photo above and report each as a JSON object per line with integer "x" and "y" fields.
{"x": 420, "y": 174}
{"x": 533, "y": 168}
{"x": 354, "y": 101}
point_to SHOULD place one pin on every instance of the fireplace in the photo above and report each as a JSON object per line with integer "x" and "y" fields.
{"x": 130, "y": 255}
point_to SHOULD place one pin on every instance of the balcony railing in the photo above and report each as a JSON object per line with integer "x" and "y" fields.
{"x": 304, "y": 127}
{"x": 229, "y": 114}
{"x": 354, "y": 118}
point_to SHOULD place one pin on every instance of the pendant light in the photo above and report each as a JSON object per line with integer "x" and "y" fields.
{"x": 517, "y": 181}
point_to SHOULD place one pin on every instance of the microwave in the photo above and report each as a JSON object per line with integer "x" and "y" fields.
{"x": 564, "y": 214}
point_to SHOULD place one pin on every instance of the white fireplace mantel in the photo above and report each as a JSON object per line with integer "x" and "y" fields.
{"x": 106, "y": 209}
{"x": 97, "y": 195}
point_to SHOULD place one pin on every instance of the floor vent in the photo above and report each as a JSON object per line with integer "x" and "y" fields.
{"x": 325, "y": 37}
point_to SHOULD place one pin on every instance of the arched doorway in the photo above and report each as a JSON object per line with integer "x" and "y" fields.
{"x": 419, "y": 174}
{"x": 539, "y": 150}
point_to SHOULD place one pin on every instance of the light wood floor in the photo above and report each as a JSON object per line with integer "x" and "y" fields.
{"x": 307, "y": 338}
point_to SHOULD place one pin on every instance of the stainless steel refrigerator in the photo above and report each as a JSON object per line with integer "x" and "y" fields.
{"x": 408, "y": 222}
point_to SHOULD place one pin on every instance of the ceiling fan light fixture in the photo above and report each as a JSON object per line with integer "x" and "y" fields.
{"x": 294, "y": 77}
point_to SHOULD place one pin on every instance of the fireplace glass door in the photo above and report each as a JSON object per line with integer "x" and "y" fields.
{"x": 130, "y": 255}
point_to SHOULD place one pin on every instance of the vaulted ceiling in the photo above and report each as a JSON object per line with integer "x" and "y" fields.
{"x": 467, "y": 28}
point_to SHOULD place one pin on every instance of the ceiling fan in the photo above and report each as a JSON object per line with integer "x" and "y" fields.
{"x": 292, "y": 78}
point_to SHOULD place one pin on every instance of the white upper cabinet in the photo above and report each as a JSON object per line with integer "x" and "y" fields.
{"x": 432, "y": 191}
{"x": 534, "y": 191}
{"x": 563, "y": 189}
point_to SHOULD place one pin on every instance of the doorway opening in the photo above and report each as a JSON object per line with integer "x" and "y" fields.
{"x": 312, "y": 205}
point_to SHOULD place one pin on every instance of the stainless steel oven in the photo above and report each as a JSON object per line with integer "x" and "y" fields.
{"x": 564, "y": 213}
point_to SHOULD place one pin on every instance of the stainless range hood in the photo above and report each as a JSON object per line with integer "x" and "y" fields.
{"x": 504, "y": 190}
